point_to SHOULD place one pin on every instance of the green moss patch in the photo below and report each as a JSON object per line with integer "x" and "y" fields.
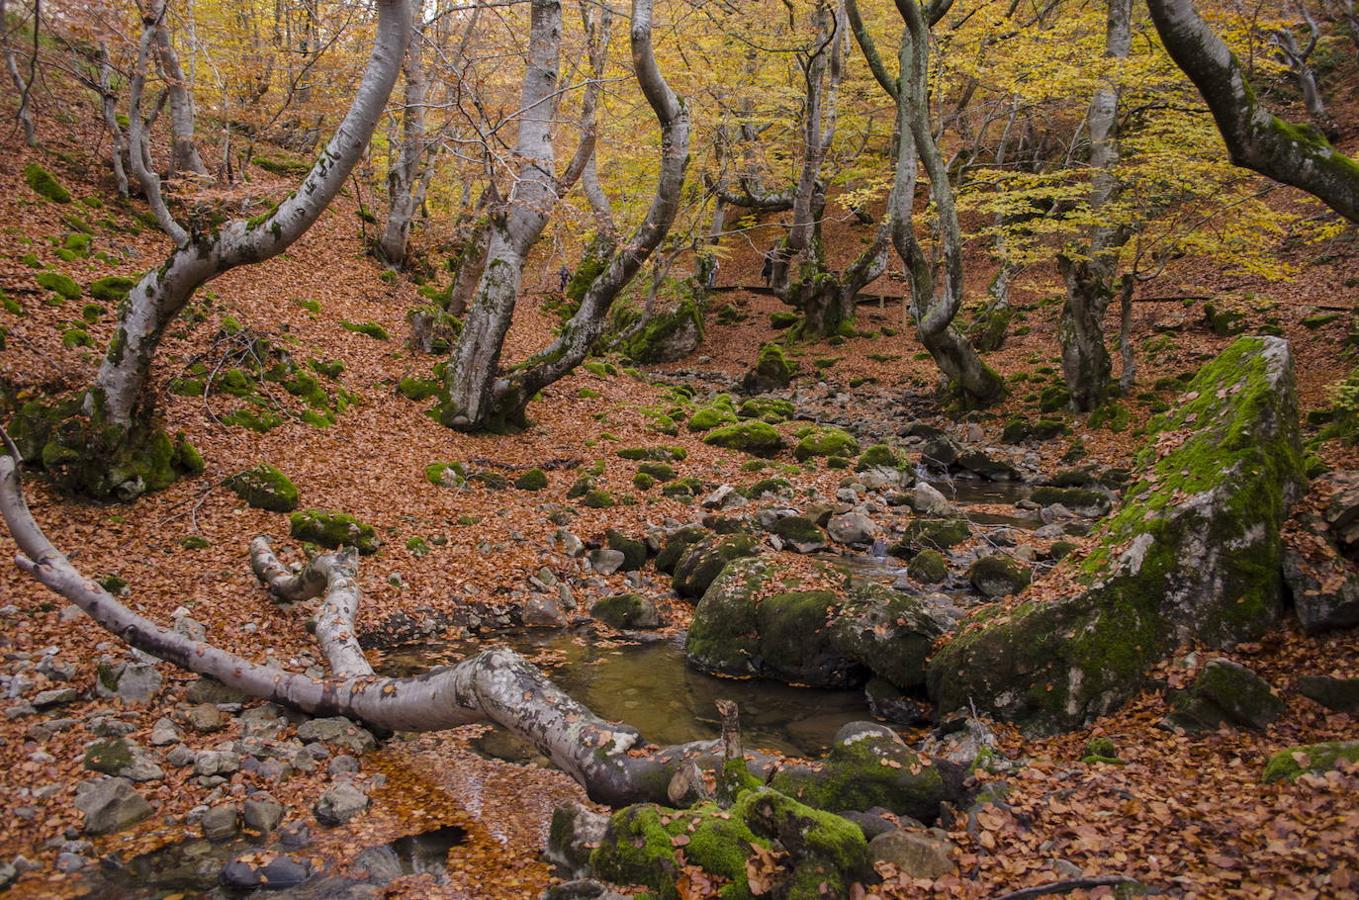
{"x": 333, "y": 529}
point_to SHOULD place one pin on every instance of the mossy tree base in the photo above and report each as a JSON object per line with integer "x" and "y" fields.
{"x": 85, "y": 456}
{"x": 1194, "y": 555}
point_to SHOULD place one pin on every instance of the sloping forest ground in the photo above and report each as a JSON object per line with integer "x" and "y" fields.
{"x": 1186, "y": 814}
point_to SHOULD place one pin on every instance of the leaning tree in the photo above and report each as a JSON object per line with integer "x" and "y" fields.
{"x": 478, "y": 395}
{"x": 109, "y": 442}
{"x": 1257, "y": 139}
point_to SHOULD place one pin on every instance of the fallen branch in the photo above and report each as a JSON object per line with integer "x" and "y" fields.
{"x": 1066, "y": 887}
{"x": 497, "y": 686}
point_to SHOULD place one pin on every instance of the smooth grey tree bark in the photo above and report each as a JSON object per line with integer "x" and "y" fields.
{"x": 507, "y": 394}
{"x": 108, "y": 101}
{"x": 610, "y": 760}
{"x": 934, "y": 306}
{"x": 512, "y": 230}
{"x": 1299, "y": 66}
{"x": 22, "y": 86}
{"x": 1091, "y": 272}
{"x": 95, "y": 454}
{"x": 1256, "y": 138}
{"x": 183, "y": 151}
{"x": 139, "y": 137}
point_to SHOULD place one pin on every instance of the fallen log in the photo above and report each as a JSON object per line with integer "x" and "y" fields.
{"x": 610, "y": 760}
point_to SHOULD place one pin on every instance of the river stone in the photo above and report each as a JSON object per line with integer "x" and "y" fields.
{"x": 220, "y": 823}
{"x": 164, "y": 733}
{"x": 634, "y": 551}
{"x": 280, "y": 873}
{"x": 135, "y": 683}
{"x": 542, "y": 612}
{"x": 927, "y": 501}
{"x": 625, "y": 611}
{"x": 110, "y": 804}
{"x": 854, "y": 528}
{"x": 339, "y": 804}
{"x": 799, "y": 534}
{"x": 263, "y": 813}
{"x": 574, "y": 833}
{"x": 1324, "y": 585}
{"x": 1225, "y": 691}
{"x": 606, "y": 561}
{"x": 916, "y": 854}
{"x": 742, "y": 627}
{"x": 1339, "y": 694}
{"x": 1194, "y": 554}
{"x": 210, "y": 690}
{"x": 998, "y": 576}
{"x": 868, "y": 766}
{"x": 215, "y": 762}
{"x": 338, "y": 731}
{"x": 205, "y": 718}
{"x": 987, "y": 466}
{"x": 55, "y": 697}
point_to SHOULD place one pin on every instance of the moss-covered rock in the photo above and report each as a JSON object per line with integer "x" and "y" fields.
{"x": 1074, "y": 498}
{"x": 414, "y": 388}
{"x": 998, "y": 576}
{"x": 660, "y": 471}
{"x": 333, "y": 529}
{"x": 633, "y": 550}
{"x": 800, "y": 534}
{"x": 597, "y": 498}
{"x": 45, "y": 184}
{"x": 752, "y": 436}
{"x": 654, "y": 454}
{"x": 826, "y": 442}
{"x": 702, "y": 562}
{"x": 62, "y": 285}
{"x": 676, "y": 543}
{"x": 625, "y": 611}
{"x": 264, "y": 487}
{"x": 768, "y": 409}
{"x": 879, "y": 456}
{"x": 887, "y": 631}
{"x": 532, "y": 480}
{"x": 772, "y": 371}
{"x": 928, "y": 567}
{"x": 1225, "y": 691}
{"x": 765, "y": 486}
{"x": 1287, "y": 765}
{"x": 706, "y": 418}
{"x": 112, "y": 288}
{"x": 446, "y": 474}
{"x": 868, "y": 766}
{"x": 930, "y": 534}
{"x": 668, "y": 335}
{"x": 1194, "y": 554}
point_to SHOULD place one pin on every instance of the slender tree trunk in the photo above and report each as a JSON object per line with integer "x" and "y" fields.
{"x": 1256, "y": 138}
{"x": 22, "y": 87}
{"x": 183, "y": 151}
{"x": 108, "y": 103}
{"x": 1090, "y": 272}
{"x": 95, "y": 458}
{"x": 412, "y": 158}
{"x": 512, "y": 231}
{"x": 139, "y": 139}
{"x": 513, "y": 390}
{"x": 1296, "y": 58}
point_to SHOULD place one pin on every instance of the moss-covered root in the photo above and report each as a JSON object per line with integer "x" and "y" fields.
{"x": 333, "y": 529}
{"x": 1194, "y": 554}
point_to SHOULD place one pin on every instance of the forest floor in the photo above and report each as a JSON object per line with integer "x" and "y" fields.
{"x": 1187, "y": 814}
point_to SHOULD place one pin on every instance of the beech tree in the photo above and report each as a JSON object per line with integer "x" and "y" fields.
{"x": 478, "y": 395}
{"x": 1255, "y": 137}
{"x": 23, "y": 86}
{"x": 111, "y": 445}
{"x": 934, "y": 301}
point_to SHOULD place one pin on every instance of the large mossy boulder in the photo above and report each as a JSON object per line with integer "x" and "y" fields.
{"x": 749, "y": 624}
{"x": 264, "y": 487}
{"x": 1287, "y": 765}
{"x": 1225, "y": 691}
{"x": 700, "y": 564}
{"x": 826, "y": 442}
{"x": 868, "y": 766}
{"x": 666, "y": 336}
{"x": 1194, "y": 554}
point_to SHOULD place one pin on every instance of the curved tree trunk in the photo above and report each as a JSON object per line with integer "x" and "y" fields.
{"x": 1091, "y": 272}
{"x": 935, "y": 306}
{"x": 117, "y": 405}
{"x": 610, "y": 760}
{"x": 108, "y": 99}
{"x": 1256, "y": 138}
{"x": 512, "y": 391}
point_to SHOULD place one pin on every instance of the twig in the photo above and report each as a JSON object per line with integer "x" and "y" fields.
{"x": 1066, "y": 887}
